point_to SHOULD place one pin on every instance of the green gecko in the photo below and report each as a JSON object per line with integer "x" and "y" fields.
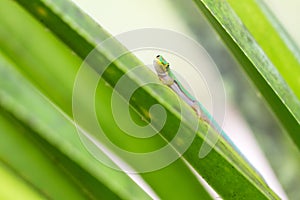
{"x": 165, "y": 74}
{"x": 167, "y": 77}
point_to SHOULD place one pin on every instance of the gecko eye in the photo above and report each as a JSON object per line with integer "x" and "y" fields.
{"x": 157, "y": 56}
{"x": 167, "y": 66}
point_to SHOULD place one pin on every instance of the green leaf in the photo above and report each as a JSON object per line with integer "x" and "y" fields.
{"x": 46, "y": 176}
{"x": 36, "y": 137}
{"x": 275, "y": 47}
{"x": 259, "y": 66}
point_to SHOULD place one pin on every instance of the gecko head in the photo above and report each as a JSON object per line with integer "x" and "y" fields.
{"x": 160, "y": 64}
